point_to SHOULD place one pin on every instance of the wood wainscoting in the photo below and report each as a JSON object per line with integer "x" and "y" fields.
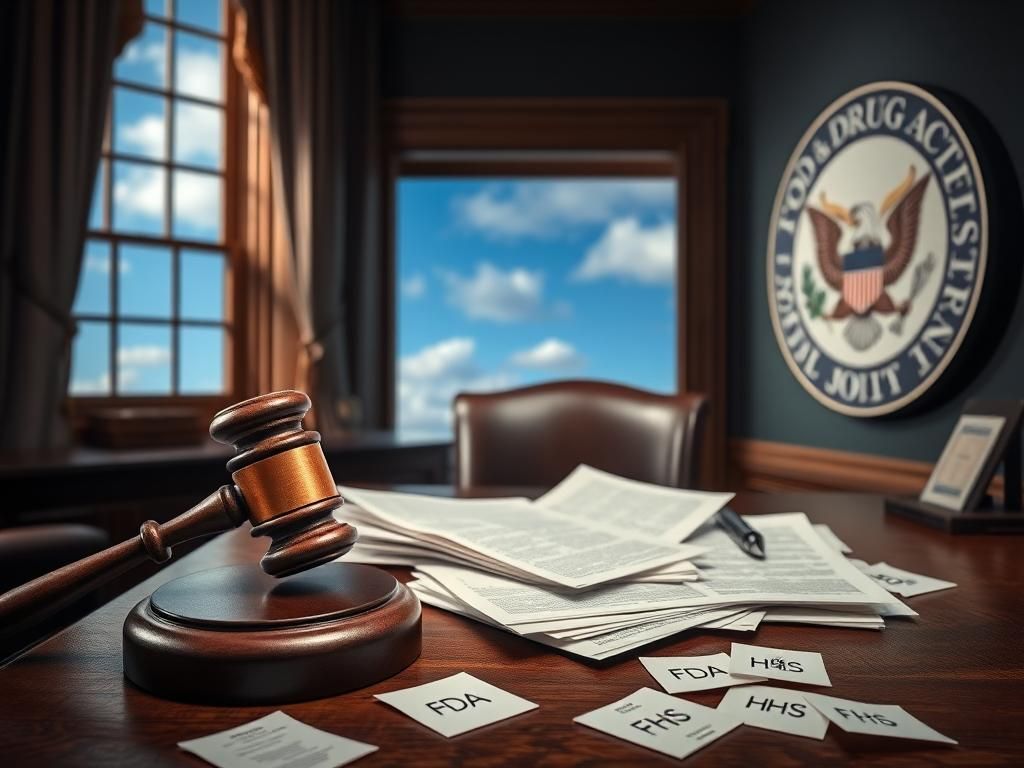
{"x": 762, "y": 465}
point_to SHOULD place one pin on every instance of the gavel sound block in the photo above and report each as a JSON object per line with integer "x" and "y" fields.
{"x": 303, "y": 628}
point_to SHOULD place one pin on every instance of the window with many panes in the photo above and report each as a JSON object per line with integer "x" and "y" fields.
{"x": 151, "y": 309}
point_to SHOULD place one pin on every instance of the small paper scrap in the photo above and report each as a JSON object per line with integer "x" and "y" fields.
{"x": 456, "y": 704}
{"x": 805, "y": 667}
{"x": 276, "y": 741}
{"x": 904, "y": 583}
{"x": 681, "y": 674}
{"x": 775, "y": 709}
{"x": 874, "y": 719}
{"x": 655, "y": 720}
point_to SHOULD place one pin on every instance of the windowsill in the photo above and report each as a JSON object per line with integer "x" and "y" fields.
{"x": 89, "y": 458}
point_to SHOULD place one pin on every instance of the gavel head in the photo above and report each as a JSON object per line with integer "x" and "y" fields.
{"x": 281, "y": 473}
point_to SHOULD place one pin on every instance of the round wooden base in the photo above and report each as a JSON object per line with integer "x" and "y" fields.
{"x": 237, "y": 636}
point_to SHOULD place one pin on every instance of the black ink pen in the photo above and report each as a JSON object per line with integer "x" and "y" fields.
{"x": 749, "y": 540}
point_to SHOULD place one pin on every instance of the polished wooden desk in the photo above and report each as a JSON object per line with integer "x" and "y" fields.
{"x": 959, "y": 667}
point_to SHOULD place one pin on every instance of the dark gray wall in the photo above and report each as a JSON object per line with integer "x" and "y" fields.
{"x": 551, "y": 57}
{"x": 800, "y": 56}
{"x": 778, "y": 69}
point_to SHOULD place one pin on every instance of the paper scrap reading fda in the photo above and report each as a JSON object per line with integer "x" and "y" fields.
{"x": 874, "y": 719}
{"x": 541, "y": 543}
{"x": 276, "y": 741}
{"x": 682, "y": 674}
{"x": 671, "y": 514}
{"x": 655, "y": 720}
{"x": 778, "y": 664}
{"x": 775, "y": 709}
{"x": 456, "y": 704}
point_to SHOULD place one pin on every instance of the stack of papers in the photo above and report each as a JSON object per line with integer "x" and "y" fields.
{"x": 563, "y": 539}
{"x": 596, "y": 567}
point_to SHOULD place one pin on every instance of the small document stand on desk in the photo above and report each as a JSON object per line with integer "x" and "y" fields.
{"x": 956, "y": 497}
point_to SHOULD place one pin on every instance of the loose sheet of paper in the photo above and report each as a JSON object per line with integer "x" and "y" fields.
{"x": 514, "y": 534}
{"x": 456, "y": 704}
{"x": 799, "y": 569}
{"x": 831, "y": 539}
{"x": 805, "y": 667}
{"x": 655, "y": 720}
{"x": 776, "y": 709}
{"x": 903, "y": 582}
{"x": 276, "y": 741}
{"x": 671, "y": 514}
{"x": 874, "y": 719}
{"x": 681, "y": 674}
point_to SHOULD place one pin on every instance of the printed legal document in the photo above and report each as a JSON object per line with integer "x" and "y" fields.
{"x": 276, "y": 741}
{"x": 801, "y": 572}
{"x": 668, "y": 513}
{"x": 513, "y": 535}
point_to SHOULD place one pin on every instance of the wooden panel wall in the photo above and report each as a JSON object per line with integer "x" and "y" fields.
{"x": 760, "y": 465}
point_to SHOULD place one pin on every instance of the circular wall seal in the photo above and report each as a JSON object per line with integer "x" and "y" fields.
{"x": 877, "y": 249}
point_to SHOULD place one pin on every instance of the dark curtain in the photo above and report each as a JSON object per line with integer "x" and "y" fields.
{"x": 315, "y": 63}
{"x": 56, "y": 59}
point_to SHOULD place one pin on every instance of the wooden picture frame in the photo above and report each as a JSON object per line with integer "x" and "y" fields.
{"x": 971, "y": 509}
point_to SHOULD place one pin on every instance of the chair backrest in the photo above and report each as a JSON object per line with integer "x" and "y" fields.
{"x": 535, "y": 436}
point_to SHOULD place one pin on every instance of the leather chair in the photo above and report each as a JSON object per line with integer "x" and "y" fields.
{"x": 536, "y": 435}
{"x": 27, "y": 552}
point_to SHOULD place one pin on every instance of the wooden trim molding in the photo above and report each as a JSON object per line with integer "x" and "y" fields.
{"x": 689, "y": 137}
{"x": 761, "y": 465}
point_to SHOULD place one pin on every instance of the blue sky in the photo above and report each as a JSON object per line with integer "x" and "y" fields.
{"x": 144, "y": 349}
{"x": 510, "y": 282}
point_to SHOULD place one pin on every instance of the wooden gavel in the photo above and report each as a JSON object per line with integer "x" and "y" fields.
{"x": 282, "y": 484}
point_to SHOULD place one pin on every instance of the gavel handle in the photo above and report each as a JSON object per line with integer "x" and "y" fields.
{"x": 30, "y": 603}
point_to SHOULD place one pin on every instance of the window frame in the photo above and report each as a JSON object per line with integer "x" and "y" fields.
{"x": 233, "y": 139}
{"x": 584, "y": 137}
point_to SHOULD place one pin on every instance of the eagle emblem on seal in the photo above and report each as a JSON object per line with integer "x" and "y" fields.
{"x": 862, "y": 275}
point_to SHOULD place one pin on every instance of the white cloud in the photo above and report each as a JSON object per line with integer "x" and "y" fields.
{"x": 145, "y": 135}
{"x": 429, "y": 380}
{"x": 197, "y": 134}
{"x": 99, "y": 385}
{"x": 493, "y": 294}
{"x": 630, "y": 251}
{"x": 197, "y": 200}
{"x": 151, "y": 53}
{"x": 198, "y": 73}
{"x": 139, "y": 190}
{"x": 101, "y": 264}
{"x": 129, "y": 361}
{"x": 444, "y": 358}
{"x": 414, "y": 287}
{"x": 143, "y": 355}
{"x": 549, "y": 208}
{"x": 549, "y": 355}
